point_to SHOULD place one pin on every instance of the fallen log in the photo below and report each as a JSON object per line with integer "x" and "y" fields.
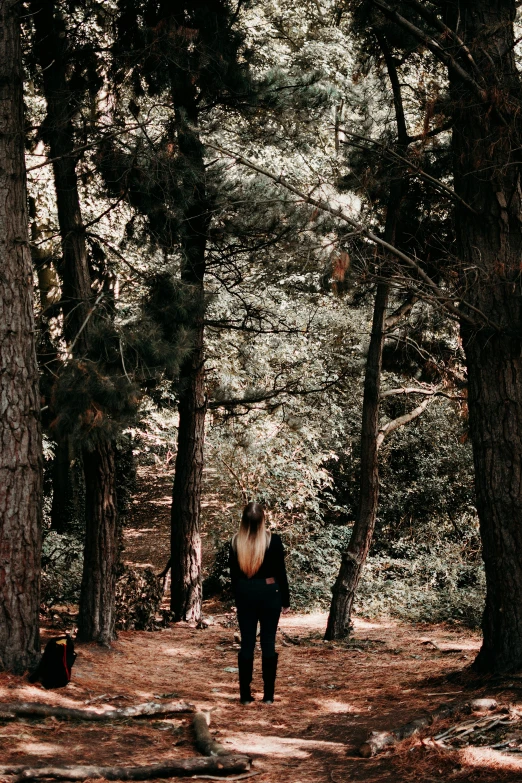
{"x": 205, "y": 743}
{"x": 380, "y": 740}
{"x": 38, "y": 710}
{"x": 172, "y": 768}
{"x": 232, "y": 777}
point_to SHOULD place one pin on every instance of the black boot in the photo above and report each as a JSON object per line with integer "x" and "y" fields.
{"x": 269, "y": 675}
{"x": 246, "y": 667}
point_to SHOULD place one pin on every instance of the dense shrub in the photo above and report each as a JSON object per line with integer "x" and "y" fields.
{"x": 138, "y": 597}
{"x": 62, "y": 564}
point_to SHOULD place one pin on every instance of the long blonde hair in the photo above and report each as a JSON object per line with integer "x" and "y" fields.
{"x": 252, "y": 539}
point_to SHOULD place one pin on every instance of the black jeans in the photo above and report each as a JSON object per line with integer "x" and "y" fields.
{"x": 257, "y": 601}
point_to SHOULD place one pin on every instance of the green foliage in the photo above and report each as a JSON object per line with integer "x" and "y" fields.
{"x": 91, "y": 405}
{"x": 138, "y": 598}
{"x": 436, "y": 584}
{"x": 313, "y": 560}
{"x": 62, "y": 565}
{"x": 217, "y": 581}
{"x": 162, "y": 336}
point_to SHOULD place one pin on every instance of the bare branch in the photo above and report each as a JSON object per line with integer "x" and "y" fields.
{"x": 431, "y": 16}
{"x": 426, "y": 391}
{"x": 89, "y": 146}
{"x": 434, "y": 47}
{"x": 402, "y": 420}
{"x": 118, "y": 254}
{"x": 244, "y": 493}
{"x": 401, "y": 312}
{"x": 241, "y": 326}
{"x": 86, "y": 321}
{"x": 290, "y": 388}
{"x": 434, "y": 132}
{"x": 423, "y": 174}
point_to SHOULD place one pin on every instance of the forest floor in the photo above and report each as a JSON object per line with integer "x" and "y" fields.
{"x": 329, "y": 696}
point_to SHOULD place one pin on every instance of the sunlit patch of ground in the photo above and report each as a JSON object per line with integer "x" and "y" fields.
{"x": 278, "y": 747}
{"x": 489, "y": 758}
{"x": 328, "y": 697}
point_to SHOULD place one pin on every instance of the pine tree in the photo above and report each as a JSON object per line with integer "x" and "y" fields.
{"x": 93, "y": 443}
{"x": 189, "y": 57}
{"x": 20, "y": 439}
{"x": 56, "y": 59}
{"x": 478, "y": 97}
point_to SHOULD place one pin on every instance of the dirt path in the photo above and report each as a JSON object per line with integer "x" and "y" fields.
{"x": 328, "y": 698}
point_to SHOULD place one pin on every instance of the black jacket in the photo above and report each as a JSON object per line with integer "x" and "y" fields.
{"x": 273, "y": 566}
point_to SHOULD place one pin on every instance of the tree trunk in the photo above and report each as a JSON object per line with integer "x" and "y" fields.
{"x": 68, "y": 505}
{"x": 20, "y": 438}
{"x": 102, "y": 527}
{"x": 101, "y": 554}
{"x": 186, "y": 494}
{"x": 356, "y": 553}
{"x": 186, "y": 592}
{"x": 485, "y": 143}
{"x": 51, "y": 48}
{"x": 354, "y": 557}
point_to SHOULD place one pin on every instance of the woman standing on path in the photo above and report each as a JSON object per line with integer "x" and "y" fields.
{"x": 260, "y": 585}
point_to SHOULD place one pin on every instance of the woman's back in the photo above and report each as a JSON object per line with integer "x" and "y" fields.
{"x": 272, "y": 567}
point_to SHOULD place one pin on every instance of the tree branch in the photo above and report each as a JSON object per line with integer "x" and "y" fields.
{"x": 438, "y": 295}
{"x": 402, "y": 420}
{"x": 89, "y": 146}
{"x": 403, "y": 310}
{"x": 423, "y": 174}
{"x": 118, "y": 254}
{"x": 290, "y": 389}
{"x": 400, "y": 118}
{"x": 244, "y": 493}
{"x": 431, "y": 16}
{"x": 419, "y": 390}
{"x": 433, "y": 46}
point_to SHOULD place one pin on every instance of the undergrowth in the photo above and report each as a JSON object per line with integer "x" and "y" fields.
{"x": 416, "y": 583}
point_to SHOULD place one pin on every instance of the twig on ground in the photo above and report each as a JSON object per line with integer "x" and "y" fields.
{"x": 379, "y": 740}
{"x": 290, "y": 639}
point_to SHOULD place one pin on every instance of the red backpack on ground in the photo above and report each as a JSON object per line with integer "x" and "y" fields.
{"x": 54, "y": 669}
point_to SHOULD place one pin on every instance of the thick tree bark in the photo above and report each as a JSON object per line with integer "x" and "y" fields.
{"x": 20, "y": 438}
{"x": 101, "y": 553}
{"x": 486, "y": 143}
{"x": 186, "y": 593}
